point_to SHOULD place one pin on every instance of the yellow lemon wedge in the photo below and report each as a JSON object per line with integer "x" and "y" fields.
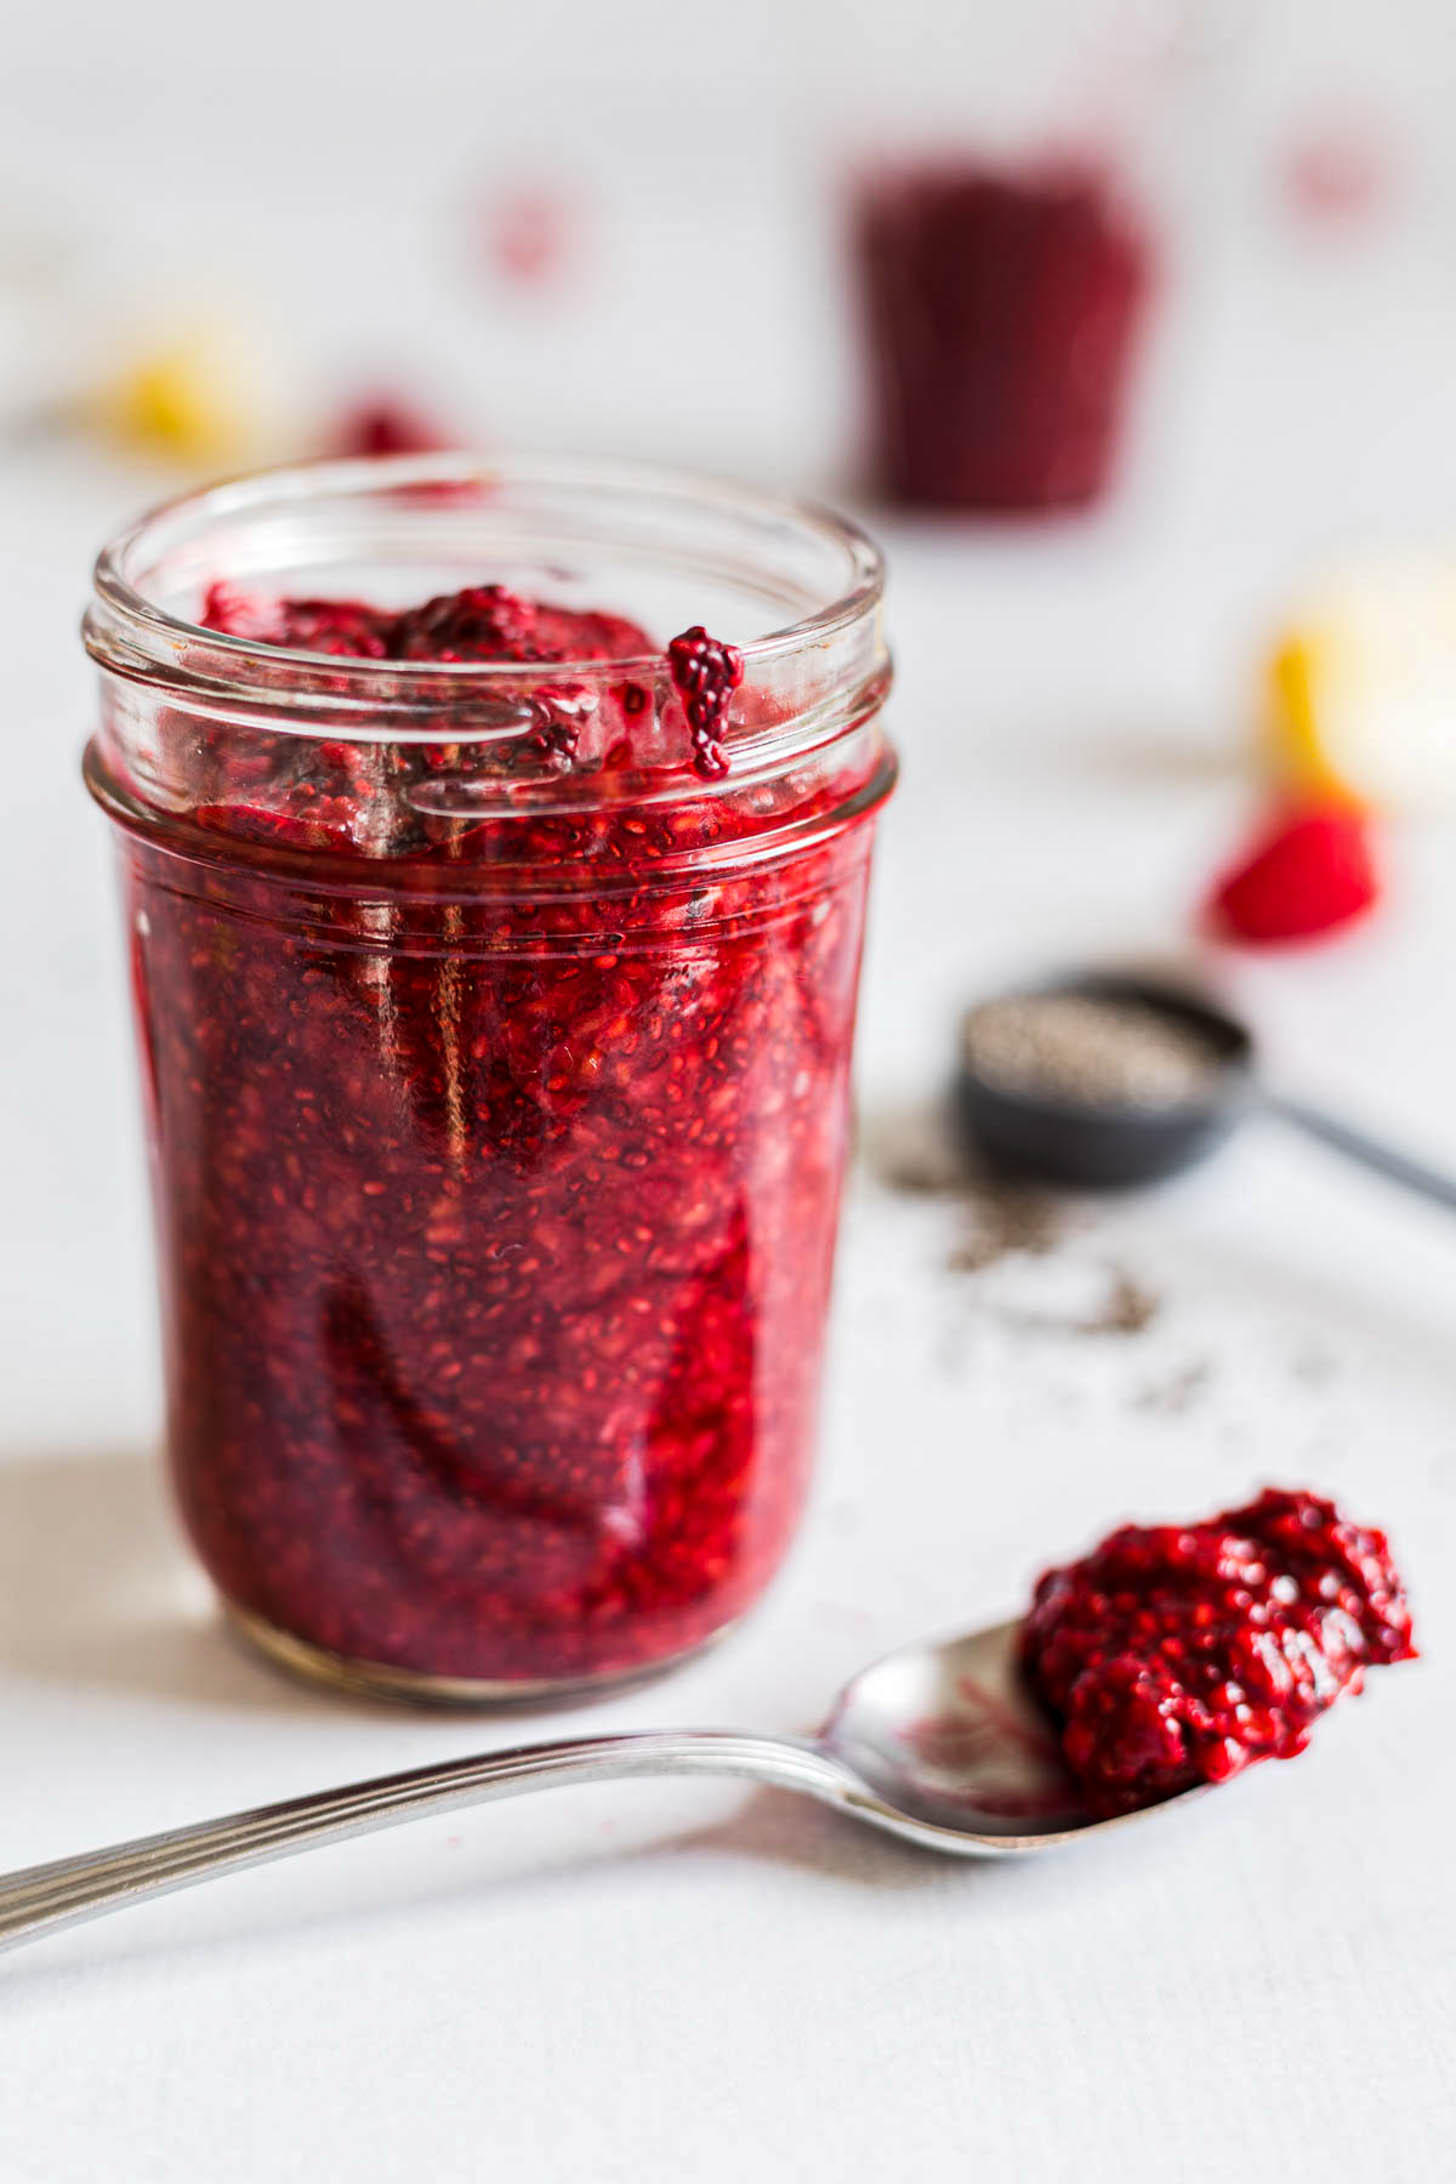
{"x": 1360, "y": 696}
{"x": 192, "y": 398}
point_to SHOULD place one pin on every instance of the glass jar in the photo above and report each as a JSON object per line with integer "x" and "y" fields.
{"x": 1002, "y": 307}
{"x": 496, "y": 1062}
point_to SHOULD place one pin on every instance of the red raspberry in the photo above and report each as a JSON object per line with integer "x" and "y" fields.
{"x": 487, "y": 622}
{"x": 341, "y": 628}
{"x": 1307, "y": 873}
{"x": 236, "y": 613}
{"x": 384, "y": 425}
{"x": 337, "y": 626}
{"x": 705, "y": 674}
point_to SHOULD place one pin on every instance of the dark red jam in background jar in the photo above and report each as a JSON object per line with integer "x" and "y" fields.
{"x": 495, "y": 976}
{"x": 1001, "y": 311}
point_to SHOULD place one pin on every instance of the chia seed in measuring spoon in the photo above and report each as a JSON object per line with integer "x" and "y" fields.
{"x": 1089, "y": 1050}
{"x": 1099, "y": 1080}
{"x": 1106, "y": 1080}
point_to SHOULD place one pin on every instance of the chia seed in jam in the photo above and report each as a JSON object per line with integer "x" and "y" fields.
{"x": 1179, "y": 1654}
{"x": 497, "y": 1158}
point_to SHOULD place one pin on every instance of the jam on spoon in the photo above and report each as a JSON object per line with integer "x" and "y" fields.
{"x": 1178, "y": 1654}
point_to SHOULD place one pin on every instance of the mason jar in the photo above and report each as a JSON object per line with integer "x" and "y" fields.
{"x": 495, "y": 1047}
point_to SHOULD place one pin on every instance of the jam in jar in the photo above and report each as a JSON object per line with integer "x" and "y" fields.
{"x": 495, "y": 933}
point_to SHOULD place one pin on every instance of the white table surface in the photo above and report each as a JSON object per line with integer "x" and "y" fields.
{"x": 648, "y": 1982}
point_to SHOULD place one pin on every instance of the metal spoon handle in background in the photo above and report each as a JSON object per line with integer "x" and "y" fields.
{"x": 1383, "y": 1160}
{"x": 42, "y": 1899}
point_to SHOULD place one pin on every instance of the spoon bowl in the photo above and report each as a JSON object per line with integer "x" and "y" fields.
{"x": 951, "y": 1741}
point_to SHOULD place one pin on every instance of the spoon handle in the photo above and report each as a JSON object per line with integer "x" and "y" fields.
{"x": 1397, "y": 1167}
{"x": 42, "y": 1899}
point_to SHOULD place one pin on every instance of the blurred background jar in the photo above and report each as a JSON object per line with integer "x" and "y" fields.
{"x": 1017, "y": 224}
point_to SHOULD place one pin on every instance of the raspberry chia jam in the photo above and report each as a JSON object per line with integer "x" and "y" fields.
{"x": 1002, "y": 314}
{"x": 495, "y": 952}
{"x": 1179, "y": 1654}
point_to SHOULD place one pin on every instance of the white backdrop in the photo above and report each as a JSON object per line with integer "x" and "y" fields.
{"x": 636, "y": 1987}
{"x": 316, "y": 179}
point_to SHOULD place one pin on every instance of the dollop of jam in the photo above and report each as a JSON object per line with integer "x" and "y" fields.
{"x": 498, "y": 1145}
{"x": 1178, "y": 1654}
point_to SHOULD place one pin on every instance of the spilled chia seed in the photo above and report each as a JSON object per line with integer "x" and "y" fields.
{"x": 915, "y": 1153}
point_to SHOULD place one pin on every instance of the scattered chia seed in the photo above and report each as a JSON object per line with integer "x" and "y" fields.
{"x": 914, "y": 1150}
{"x": 1170, "y": 1398}
{"x": 1089, "y": 1050}
{"x": 1127, "y": 1310}
{"x": 1125, "y": 1307}
{"x": 1003, "y": 1218}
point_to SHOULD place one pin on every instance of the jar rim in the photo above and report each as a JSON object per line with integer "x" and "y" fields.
{"x": 132, "y": 635}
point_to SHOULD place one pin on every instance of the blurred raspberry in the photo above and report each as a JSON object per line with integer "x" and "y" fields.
{"x": 1338, "y": 174}
{"x": 386, "y": 425}
{"x": 528, "y": 234}
{"x": 1307, "y": 873}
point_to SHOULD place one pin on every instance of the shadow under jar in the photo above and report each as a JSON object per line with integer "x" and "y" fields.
{"x": 495, "y": 1061}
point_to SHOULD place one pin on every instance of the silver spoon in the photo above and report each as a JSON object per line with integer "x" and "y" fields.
{"x": 938, "y": 1743}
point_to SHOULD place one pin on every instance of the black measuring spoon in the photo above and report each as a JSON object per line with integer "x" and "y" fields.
{"x": 1056, "y": 1137}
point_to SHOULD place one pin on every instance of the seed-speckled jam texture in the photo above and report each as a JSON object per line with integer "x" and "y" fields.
{"x": 1179, "y": 1654}
{"x": 497, "y": 1161}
